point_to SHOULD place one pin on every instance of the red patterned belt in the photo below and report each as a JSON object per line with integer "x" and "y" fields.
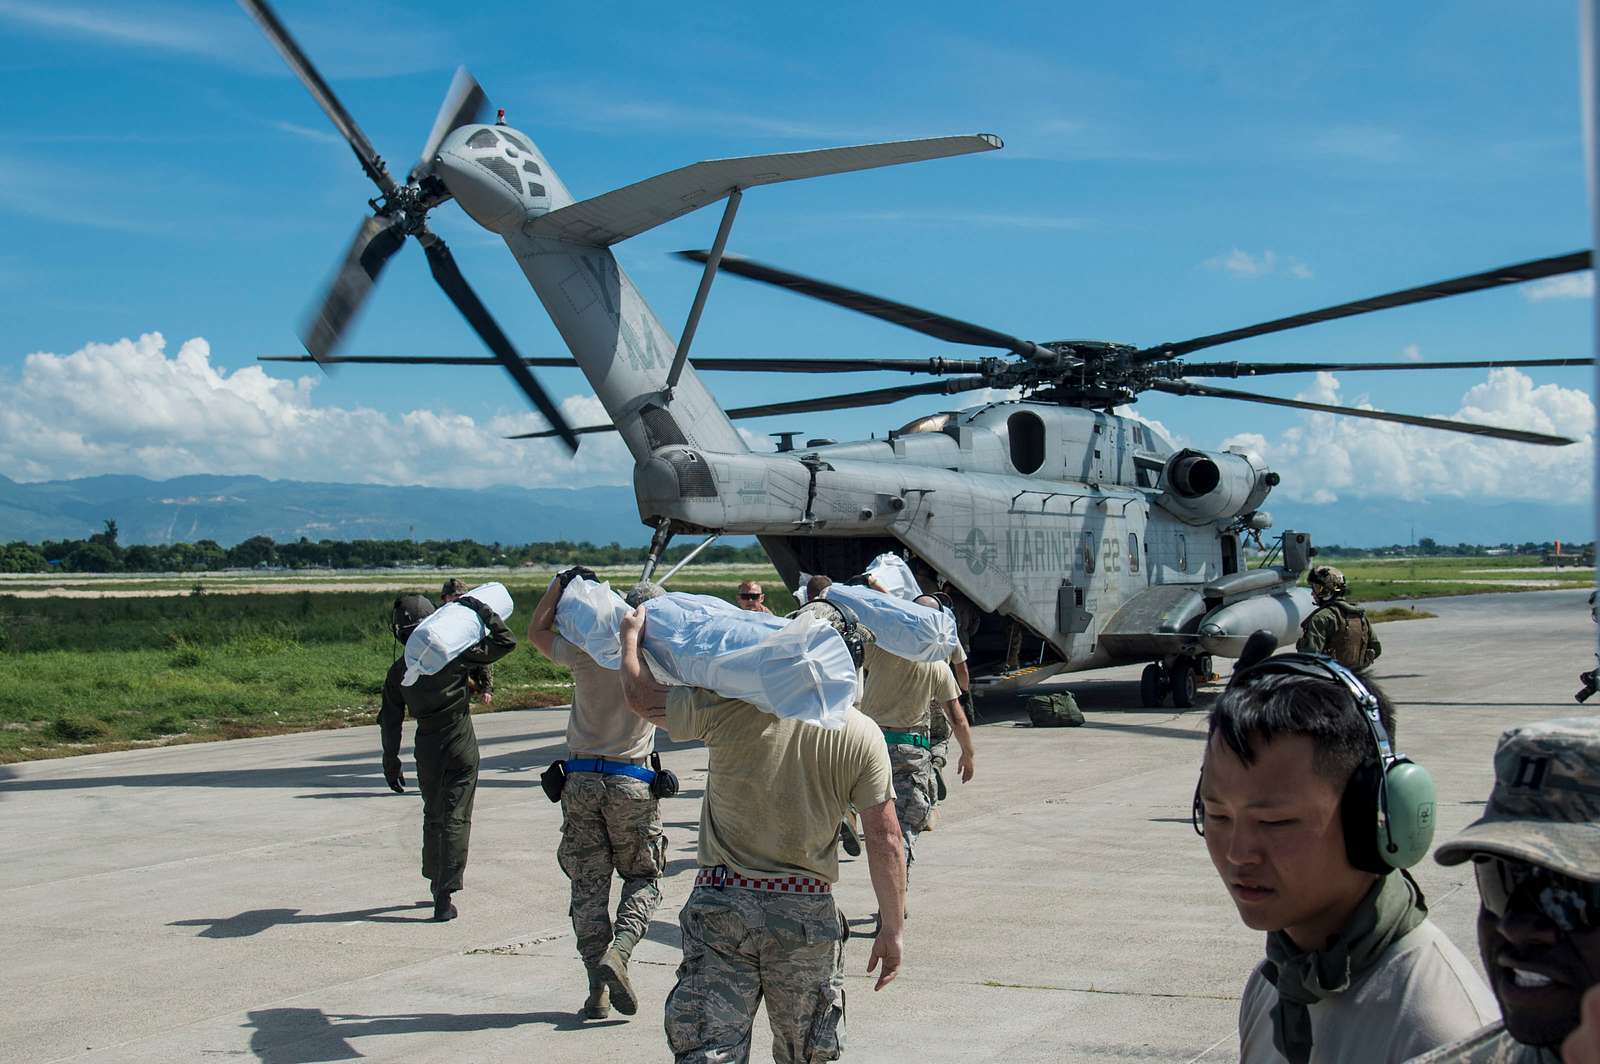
{"x": 719, "y": 877}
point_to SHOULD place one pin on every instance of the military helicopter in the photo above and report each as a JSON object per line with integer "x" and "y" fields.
{"x": 1070, "y": 536}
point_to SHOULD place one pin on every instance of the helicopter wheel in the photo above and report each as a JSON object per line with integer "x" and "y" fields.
{"x": 1183, "y": 683}
{"x": 1152, "y": 685}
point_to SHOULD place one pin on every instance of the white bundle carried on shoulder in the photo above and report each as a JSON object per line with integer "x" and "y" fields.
{"x": 589, "y": 616}
{"x": 451, "y": 630}
{"x": 904, "y": 629}
{"x": 894, "y": 576}
{"x": 796, "y": 669}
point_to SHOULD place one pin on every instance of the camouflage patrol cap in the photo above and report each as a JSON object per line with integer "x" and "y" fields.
{"x": 1545, "y": 806}
{"x": 454, "y": 586}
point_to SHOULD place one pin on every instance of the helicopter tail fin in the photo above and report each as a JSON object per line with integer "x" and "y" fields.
{"x": 633, "y": 209}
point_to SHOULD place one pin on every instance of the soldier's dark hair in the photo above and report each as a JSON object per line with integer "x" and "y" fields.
{"x": 1264, "y": 706}
{"x": 817, "y": 585}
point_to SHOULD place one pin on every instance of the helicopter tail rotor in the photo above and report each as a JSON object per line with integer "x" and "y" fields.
{"x": 400, "y": 211}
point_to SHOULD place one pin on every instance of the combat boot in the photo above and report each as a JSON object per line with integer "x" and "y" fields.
{"x": 443, "y": 908}
{"x": 613, "y": 973}
{"x": 598, "y": 1004}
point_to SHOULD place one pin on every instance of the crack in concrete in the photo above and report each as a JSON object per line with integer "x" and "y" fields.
{"x": 1092, "y": 989}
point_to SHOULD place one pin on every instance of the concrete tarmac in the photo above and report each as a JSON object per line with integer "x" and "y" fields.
{"x": 260, "y": 899}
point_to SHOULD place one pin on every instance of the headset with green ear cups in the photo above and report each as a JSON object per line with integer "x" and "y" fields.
{"x": 1388, "y": 805}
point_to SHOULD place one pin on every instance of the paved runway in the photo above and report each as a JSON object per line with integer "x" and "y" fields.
{"x": 259, "y": 899}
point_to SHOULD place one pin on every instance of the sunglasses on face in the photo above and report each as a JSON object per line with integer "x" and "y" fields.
{"x": 749, "y": 594}
{"x": 1571, "y": 904}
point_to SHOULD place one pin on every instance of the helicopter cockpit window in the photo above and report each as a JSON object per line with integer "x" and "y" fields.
{"x": 1183, "y": 554}
{"x": 1026, "y": 432}
{"x": 518, "y": 141}
{"x": 1088, "y": 552}
{"x": 483, "y": 138}
{"x": 1133, "y": 552}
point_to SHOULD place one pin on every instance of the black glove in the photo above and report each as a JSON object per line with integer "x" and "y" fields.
{"x": 482, "y": 610}
{"x": 567, "y": 576}
{"x": 393, "y": 776}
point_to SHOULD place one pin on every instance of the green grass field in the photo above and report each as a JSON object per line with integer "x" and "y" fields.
{"x": 1385, "y": 579}
{"x": 84, "y": 674}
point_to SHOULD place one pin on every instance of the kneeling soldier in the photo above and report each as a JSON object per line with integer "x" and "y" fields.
{"x": 761, "y": 922}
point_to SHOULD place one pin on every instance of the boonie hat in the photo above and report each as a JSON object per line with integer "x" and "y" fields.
{"x": 1545, "y": 806}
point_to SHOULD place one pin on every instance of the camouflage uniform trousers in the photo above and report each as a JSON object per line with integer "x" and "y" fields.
{"x": 740, "y": 946}
{"x": 610, "y": 824}
{"x": 939, "y": 734}
{"x": 914, "y": 791}
{"x": 1491, "y": 1045}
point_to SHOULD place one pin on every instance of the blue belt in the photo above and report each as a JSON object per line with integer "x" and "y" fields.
{"x": 611, "y": 768}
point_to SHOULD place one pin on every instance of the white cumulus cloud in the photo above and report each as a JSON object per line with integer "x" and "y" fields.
{"x": 130, "y": 407}
{"x": 1327, "y": 457}
{"x": 1567, "y": 286}
{"x": 1241, "y": 263}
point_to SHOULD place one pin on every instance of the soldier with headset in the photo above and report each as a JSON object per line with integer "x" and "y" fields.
{"x": 446, "y": 746}
{"x": 1337, "y": 627}
{"x": 1311, "y": 819}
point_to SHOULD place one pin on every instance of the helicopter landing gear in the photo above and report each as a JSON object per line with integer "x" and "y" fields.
{"x": 1178, "y": 679}
{"x": 1184, "y": 681}
{"x": 1152, "y": 685}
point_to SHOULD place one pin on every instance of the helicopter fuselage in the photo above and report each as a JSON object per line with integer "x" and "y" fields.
{"x": 1065, "y": 529}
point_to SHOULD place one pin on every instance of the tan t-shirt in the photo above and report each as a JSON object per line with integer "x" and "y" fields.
{"x": 601, "y": 725}
{"x": 898, "y": 691}
{"x": 1421, "y": 994}
{"x": 777, "y": 789}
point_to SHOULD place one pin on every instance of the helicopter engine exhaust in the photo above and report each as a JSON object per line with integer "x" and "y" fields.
{"x": 1202, "y": 487}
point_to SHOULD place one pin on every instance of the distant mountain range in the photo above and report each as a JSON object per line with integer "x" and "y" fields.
{"x": 230, "y": 509}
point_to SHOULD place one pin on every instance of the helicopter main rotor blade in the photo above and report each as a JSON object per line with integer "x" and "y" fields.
{"x": 847, "y": 401}
{"x": 411, "y": 360}
{"x": 1262, "y": 369}
{"x": 376, "y": 241}
{"x": 308, "y": 75}
{"x": 448, "y": 274}
{"x": 927, "y": 322}
{"x": 1477, "y": 282}
{"x": 1444, "y": 424}
{"x": 936, "y": 366}
{"x": 463, "y": 104}
{"x": 850, "y": 400}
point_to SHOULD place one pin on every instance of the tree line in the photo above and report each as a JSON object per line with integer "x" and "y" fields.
{"x": 1429, "y": 548}
{"x": 102, "y": 553}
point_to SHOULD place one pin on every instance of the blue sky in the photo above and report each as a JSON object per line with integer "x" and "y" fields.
{"x": 1169, "y": 170}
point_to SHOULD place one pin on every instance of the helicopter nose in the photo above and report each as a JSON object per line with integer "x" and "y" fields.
{"x": 473, "y": 165}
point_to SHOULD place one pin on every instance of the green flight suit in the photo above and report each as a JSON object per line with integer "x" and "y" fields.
{"x": 446, "y": 750}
